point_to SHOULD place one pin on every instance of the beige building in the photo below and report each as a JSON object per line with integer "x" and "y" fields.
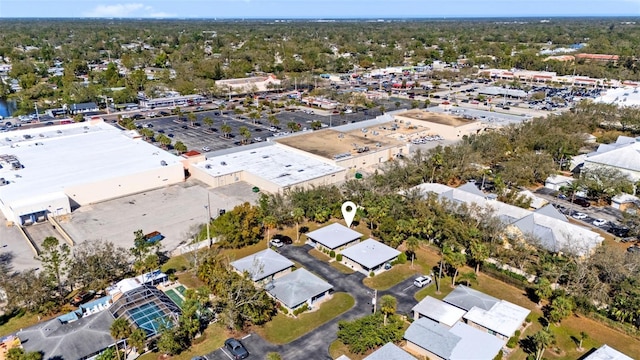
{"x": 249, "y": 85}
{"x": 448, "y": 126}
{"x": 55, "y": 169}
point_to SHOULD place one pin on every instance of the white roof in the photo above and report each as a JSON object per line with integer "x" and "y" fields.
{"x": 334, "y": 235}
{"x": 73, "y": 154}
{"x": 297, "y": 287}
{"x": 272, "y": 162}
{"x": 626, "y": 96}
{"x": 605, "y": 352}
{"x": 262, "y": 264}
{"x": 439, "y": 311}
{"x": 536, "y": 202}
{"x": 623, "y": 155}
{"x": 504, "y": 317}
{"x": 559, "y": 179}
{"x": 390, "y": 351}
{"x": 370, "y": 253}
{"x": 474, "y": 344}
{"x": 553, "y": 233}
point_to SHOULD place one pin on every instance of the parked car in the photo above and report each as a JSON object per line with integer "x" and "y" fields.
{"x": 206, "y": 148}
{"x": 283, "y": 238}
{"x": 276, "y": 243}
{"x": 633, "y": 249}
{"x": 82, "y": 297}
{"x": 422, "y": 281}
{"x": 236, "y": 349}
{"x": 579, "y": 216}
{"x": 599, "y": 222}
{"x": 582, "y": 202}
{"x": 619, "y": 231}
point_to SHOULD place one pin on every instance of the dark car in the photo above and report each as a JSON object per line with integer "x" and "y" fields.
{"x": 170, "y": 135}
{"x": 164, "y": 113}
{"x": 161, "y": 131}
{"x": 137, "y": 117}
{"x": 283, "y": 238}
{"x": 185, "y": 127}
{"x": 236, "y": 349}
{"x": 582, "y": 202}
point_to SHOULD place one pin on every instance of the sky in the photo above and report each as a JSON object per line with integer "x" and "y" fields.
{"x": 314, "y": 9}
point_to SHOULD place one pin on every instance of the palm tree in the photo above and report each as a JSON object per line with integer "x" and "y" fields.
{"x": 254, "y": 115}
{"x": 273, "y": 120}
{"x": 583, "y": 336}
{"x": 468, "y": 277}
{"x": 164, "y": 140}
{"x": 270, "y": 222}
{"x": 138, "y": 339}
{"x": 479, "y": 253}
{"x": 542, "y": 339}
{"x": 226, "y": 130}
{"x": 298, "y": 215}
{"x": 245, "y": 133}
{"x": 180, "y": 147}
{"x": 192, "y": 118}
{"x": 412, "y": 245}
{"x": 120, "y": 330}
{"x": 208, "y": 121}
{"x": 388, "y": 305}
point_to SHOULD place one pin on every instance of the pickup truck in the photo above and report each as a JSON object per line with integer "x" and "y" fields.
{"x": 154, "y": 237}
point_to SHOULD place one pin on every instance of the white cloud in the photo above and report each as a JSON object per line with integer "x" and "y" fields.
{"x": 117, "y": 10}
{"x": 161, "y": 15}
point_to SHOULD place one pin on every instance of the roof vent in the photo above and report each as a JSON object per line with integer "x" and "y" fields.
{"x": 208, "y": 166}
{"x": 223, "y": 163}
{"x": 163, "y": 163}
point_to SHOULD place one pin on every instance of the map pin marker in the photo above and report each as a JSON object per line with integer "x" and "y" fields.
{"x": 348, "y": 212}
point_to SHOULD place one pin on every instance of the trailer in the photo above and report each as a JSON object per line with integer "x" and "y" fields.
{"x": 154, "y": 237}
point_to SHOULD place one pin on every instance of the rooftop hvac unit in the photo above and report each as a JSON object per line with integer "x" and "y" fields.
{"x": 208, "y": 166}
{"x": 163, "y": 163}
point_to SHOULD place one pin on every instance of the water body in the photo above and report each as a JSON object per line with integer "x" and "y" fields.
{"x": 7, "y": 107}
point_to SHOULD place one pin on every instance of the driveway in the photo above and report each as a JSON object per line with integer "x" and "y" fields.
{"x": 404, "y": 292}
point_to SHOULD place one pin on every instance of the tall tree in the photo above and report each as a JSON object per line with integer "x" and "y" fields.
{"x": 297, "y": 216}
{"x": 388, "y": 305}
{"x": 55, "y": 260}
{"x": 120, "y": 329}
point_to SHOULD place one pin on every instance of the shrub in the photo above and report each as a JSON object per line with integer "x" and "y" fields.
{"x": 283, "y": 309}
{"x": 301, "y": 309}
{"x": 517, "y": 333}
{"x": 339, "y": 257}
{"x": 499, "y": 356}
{"x": 529, "y": 318}
{"x": 372, "y": 274}
{"x": 513, "y": 342}
{"x": 304, "y": 229}
{"x": 402, "y": 258}
{"x": 332, "y": 253}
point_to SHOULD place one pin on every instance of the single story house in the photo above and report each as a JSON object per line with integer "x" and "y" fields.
{"x": 334, "y": 237}
{"x": 390, "y": 351}
{"x": 429, "y": 339}
{"x": 625, "y": 202}
{"x": 606, "y": 352}
{"x": 264, "y": 266}
{"x": 83, "y": 108}
{"x": 369, "y": 255}
{"x": 499, "y": 318}
{"x": 299, "y": 287}
{"x": 555, "y": 182}
{"x": 438, "y": 311}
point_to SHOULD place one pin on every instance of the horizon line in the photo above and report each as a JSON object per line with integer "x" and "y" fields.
{"x": 439, "y": 17}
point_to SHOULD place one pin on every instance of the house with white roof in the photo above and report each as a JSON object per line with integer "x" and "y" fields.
{"x": 390, "y": 351}
{"x": 297, "y": 288}
{"x": 623, "y": 155}
{"x": 369, "y": 255}
{"x": 264, "y": 266}
{"x": 438, "y": 311}
{"x": 555, "y": 182}
{"x": 430, "y": 339}
{"x": 550, "y": 231}
{"x": 497, "y": 317}
{"x": 336, "y": 237}
{"x": 606, "y": 352}
{"x": 625, "y": 202}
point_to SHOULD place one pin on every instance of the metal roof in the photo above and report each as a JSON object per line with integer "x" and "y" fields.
{"x": 605, "y": 352}
{"x": 466, "y": 298}
{"x": 370, "y": 253}
{"x": 504, "y": 317}
{"x": 439, "y": 311}
{"x": 297, "y": 287}
{"x": 262, "y": 264}
{"x": 334, "y": 235}
{"x": 432, "y": 337}
{"x": 390, "y": 351}
{"x": 474, "y": 344}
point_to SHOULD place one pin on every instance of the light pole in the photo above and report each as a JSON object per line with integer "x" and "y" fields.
{"x": 206, "y": 207}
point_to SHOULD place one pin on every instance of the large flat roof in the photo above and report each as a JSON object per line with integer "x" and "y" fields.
{"x": 370, "y": 253}
{"x": 436, "y": 118}
{"x": 56, "y": 157}
{"x": 281, "y": 166}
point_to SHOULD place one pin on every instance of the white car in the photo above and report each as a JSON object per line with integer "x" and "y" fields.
{"x": 579, "y": 216}
{"x": 206, "y": 148}
{"x": 422, "y": 281}
{"x": 276, "y": 243}
{"x": 599, "y": 222}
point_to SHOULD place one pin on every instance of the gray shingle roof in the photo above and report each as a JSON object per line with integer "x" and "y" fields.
{"x": 550, "y": 210}
{"x": 390, "y": 352}
{"x": 73, "y": 340}
{"x": 465, "y": 298}
{"x": 262, "y": 264}
{"x": 370, "y": 253}
{"x": 432, "y": 337}
{"x": 334, "y": 235}
{"x": 297, "y": 287}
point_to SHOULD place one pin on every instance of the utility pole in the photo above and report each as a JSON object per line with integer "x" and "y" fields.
{"x": 375, "y": 300}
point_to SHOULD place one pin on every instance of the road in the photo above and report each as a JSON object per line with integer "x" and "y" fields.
{"x": 315, "y": 344}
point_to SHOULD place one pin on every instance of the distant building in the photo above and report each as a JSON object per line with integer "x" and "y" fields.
{"x": 249, "y": 85}
{"x": 623, "y": 155}
{"x": 83, "y": 108}
{"x": 598, "y": 57}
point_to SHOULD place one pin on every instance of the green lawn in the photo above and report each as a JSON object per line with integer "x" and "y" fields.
{"x": 341, "y": 267}
{"x": 213, "y": 338}
{"x": 14, "y": 322}
{"x": 392, "y": 277}
{"x": 284, "y": 329}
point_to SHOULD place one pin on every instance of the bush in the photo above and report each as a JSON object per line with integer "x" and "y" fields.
{"x": 372, "y": 274}
{"x": 332, "y": 253}
{"x": 513, "y": 342}
{"x": 283, "y": 309}
{"x": 301, "y": 309}
{"x": 402, "y": 258}
{"x": 529, "y": 318}
{"x": 339, "y": 257}
{"x": 517, "y": 334}
{"x": 304, "y": 229}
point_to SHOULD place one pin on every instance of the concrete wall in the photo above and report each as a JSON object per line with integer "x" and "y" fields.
{"x": 488, "y": 331}
{"x": 373, "y": 157}
{"x": 55, "y": 205}
{"x": 125, "y": 185}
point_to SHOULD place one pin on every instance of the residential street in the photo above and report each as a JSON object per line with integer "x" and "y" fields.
{"x": 315, "y": 345}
